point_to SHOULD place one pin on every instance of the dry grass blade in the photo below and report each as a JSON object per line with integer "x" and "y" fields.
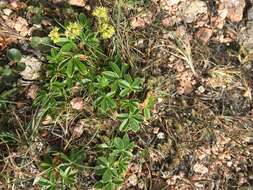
{"x": 182, "y": 50}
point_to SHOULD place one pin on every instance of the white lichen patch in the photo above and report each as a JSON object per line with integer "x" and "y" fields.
{"x": 32, "y": 69}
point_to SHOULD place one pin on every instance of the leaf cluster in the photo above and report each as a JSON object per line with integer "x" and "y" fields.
{"x": 107, "y": 81}
{"x": 60, "y": 170}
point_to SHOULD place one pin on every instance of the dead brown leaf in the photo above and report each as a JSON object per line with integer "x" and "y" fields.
{"x": 78, "y": 129}
{"x": 21, "y": 26}
{"x": 77, "y": 103}
{"x": 200, "y": 168}
{"x": 17, "y": 26}
{"x": 142, "y": 20}
{"x": 235, "y": 9}
{"x": 47, "y": 120}
{"x": 187, "y": 83}
{"x": 78, "y": 3}
{"x": 195, "y": 9}
{"x": 32, "y": 92}
{"x": 137, "y": 22}
{"x": 204, "y": 34}
{"x": 5, "y": 41}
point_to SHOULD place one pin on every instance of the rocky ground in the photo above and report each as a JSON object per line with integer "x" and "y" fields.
{"x": 196, "y": 57}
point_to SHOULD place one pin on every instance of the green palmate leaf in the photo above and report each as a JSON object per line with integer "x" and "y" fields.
{"x": 47, "y": 184}
{"x": 111, "y": 75}
{"x": 55, "y": 56}
{"x": 126, "y": 139}
{"x": 122, "y": 147}
{"x": 67, "y": 47}
{"x": 134, "y": 125}
{"x": 75, "y": 157}
{"x": 68, "y": 175}
{"x": 130, "y": 105}
{"x": 126, "y": 88}
{"x": 125, "y": 92}
{"x": 103, "y": 160}
{"x": 124, "y": 125}
{"x": 62, "y": 41}
{"x": 130, "y": 121}
{"x": 129, "y": 145}
{"x": 84, "y": 21}
{"x": 109, "y": 186}
{"x": 115, "y": 86}
{"x": 107, "y": 176}
{"x": 124, "y": 84}
{"x": 119, "y": 143}
{"x": 118, "y": 60}
{"x": 123, "y": 164}
{"x": 20, "y": 66}
{"x": 99, "y": 185}
{"x": 104, "y": 146}
{"x": 106, "y": 102}
{"x": 102, "y": 82}
{"x": 40, "y": 43}
{"x": 128, "y": 78}
{"x": 14, "y": 55}
{"x": 147, "y": 113}
{"x": 136, "y": 85}
{"x": 105, "y": 163}
{"x": 81, "y": 67}
{"x": 70, "y": 68}
{"x": 149, "y": 104}
{"x": 117, "y": 181}
{"x": 90, "y": 40}
{"x": 57, "y": 84}
{"x": 124, "y": 68}
{"x": 7, "y": 72}
{"x": 123, "y": 116}
{"x": 116, "y": 69}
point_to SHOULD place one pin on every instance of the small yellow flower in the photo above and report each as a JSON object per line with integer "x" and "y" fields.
{"x": 73, "y": 30}
{"x": 101, "y": 13}
{"x": 106, "y": 30}
{"x": 104, "y": 27}
{"x": 54, "y": 35}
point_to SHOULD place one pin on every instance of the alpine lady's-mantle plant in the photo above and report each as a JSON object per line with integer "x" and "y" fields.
{"x": 77, "y": 58}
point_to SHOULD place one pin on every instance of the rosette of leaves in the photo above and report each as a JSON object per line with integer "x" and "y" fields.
{"x": 9, "y": 73}
{"x": 72, "y": 59}
{"x": 113, "y": 167}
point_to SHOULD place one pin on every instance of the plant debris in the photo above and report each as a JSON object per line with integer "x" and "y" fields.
{"x": 126, "y": 94}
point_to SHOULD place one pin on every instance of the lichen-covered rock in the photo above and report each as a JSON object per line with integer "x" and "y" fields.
{"x": 78, "y": 3}
{"x": 32, "y": 69}
{"x": 234, "y": 8}
{"x": 195, "y": 8}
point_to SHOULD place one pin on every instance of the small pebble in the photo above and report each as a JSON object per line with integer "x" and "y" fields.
{"x": 156, "y": 130}
{"x": 159, "y": 100}
{"x": 201, "y": 90}
{"x": 229, "y": 164}
{"x": 7, "y": 12}
{"x": 161, "y": 135}
{"x": 133, "y": 180}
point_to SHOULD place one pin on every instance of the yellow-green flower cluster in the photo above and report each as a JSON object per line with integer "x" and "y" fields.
{"x": 55, "y": 35}
{"x": 106, "y": 30}
{"x": 73, "y": 30}
{"x": 101, "y": 13}
{"x": 104, "y": 27}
